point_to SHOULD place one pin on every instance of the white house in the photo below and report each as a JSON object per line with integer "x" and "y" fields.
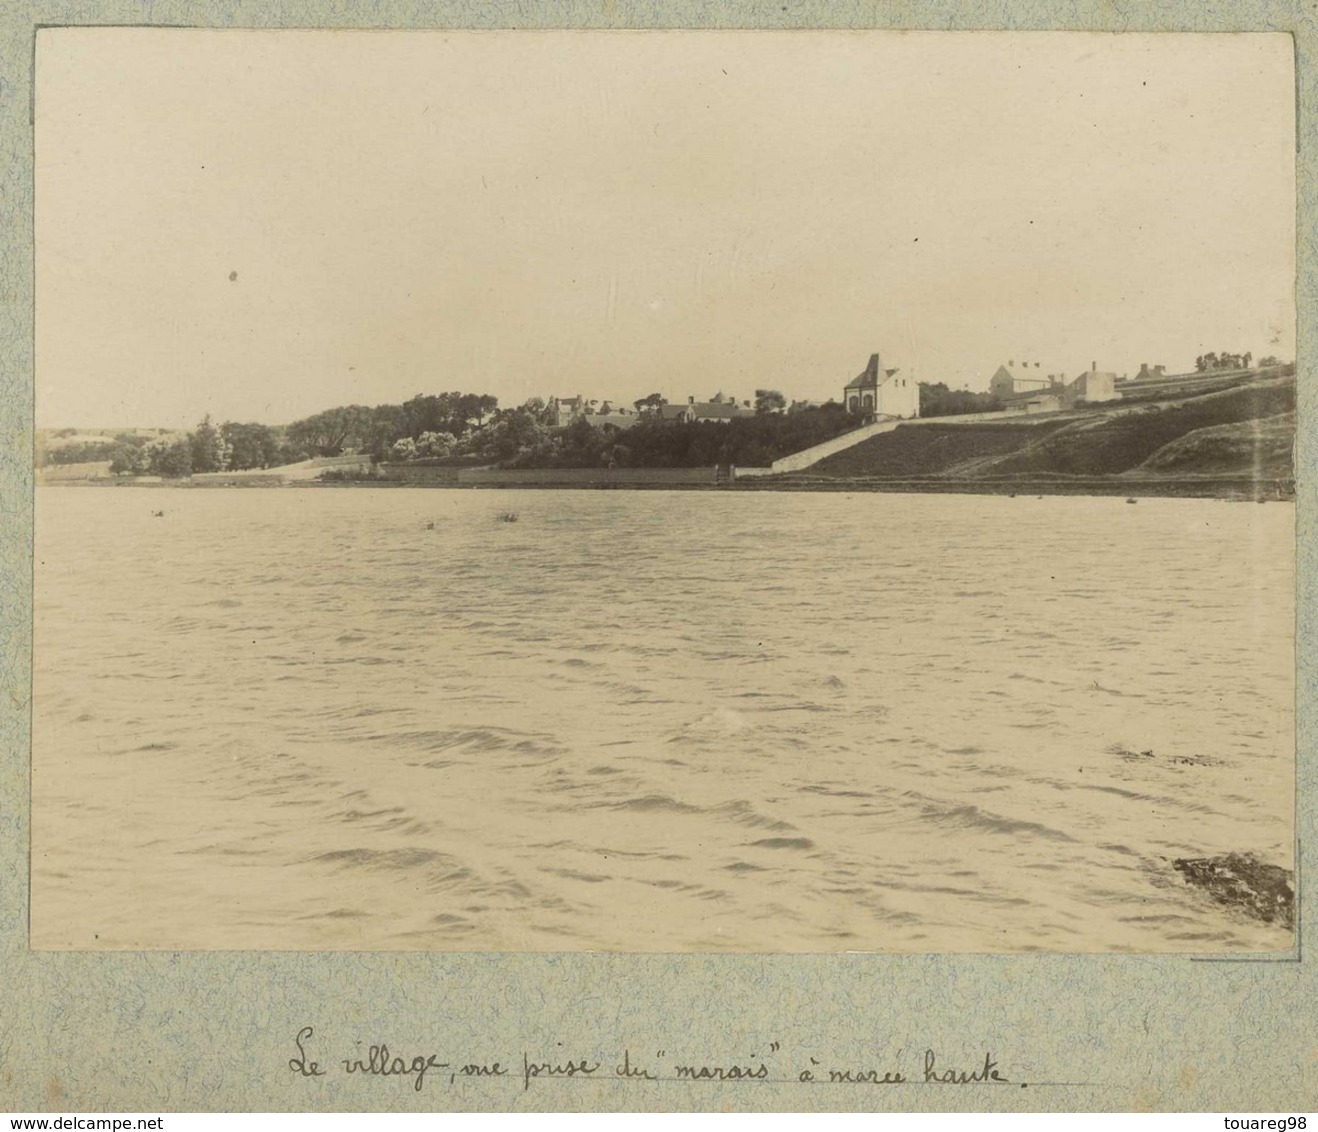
{"x": 1092, "y": 385}
{"x": 879, "y": 392}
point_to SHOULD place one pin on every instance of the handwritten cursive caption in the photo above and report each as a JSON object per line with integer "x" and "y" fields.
{"x": 417, "y": 1069}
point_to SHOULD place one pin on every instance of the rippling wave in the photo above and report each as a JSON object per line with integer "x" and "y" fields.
{"x": 655, "y": 721}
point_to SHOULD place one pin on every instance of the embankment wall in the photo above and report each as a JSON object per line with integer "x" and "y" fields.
{"x": 419, "y": 474}
{"x": 585, "y": 477}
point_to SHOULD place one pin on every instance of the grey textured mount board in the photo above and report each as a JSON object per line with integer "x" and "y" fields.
{"x": 272, "y": 1031}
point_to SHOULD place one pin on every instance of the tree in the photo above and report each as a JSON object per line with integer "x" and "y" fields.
{"x": 430, "y": 412}
{"x": 403, "y": 449}
{"x": 209, "y": 452}
{"x": 330, "y": 432}
{"x": 539, "y": 409}
{"x": 435, "y": 444}
{"x": 250, "y": 445}
{"x": 650, "y": 404}
{"x": 387, "y": 424}
{"x": 169, "y": 456}
{"x": 937, "y": 400}
{"x": 130, "y": 459}
{"x": 79, "y": 451}
{"x": 769, "y": 401}
{"x": 510, "y": 432}
{"x": 479, "y": 407}
{"x": 470, "y": 409}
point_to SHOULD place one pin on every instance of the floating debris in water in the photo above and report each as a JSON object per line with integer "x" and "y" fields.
{"x": 430, "y": 526}
{"x": 1132, "y": 500}
{"x": 1131, "y": 756}
{"x": 1196, "y": 760}
{"x": 1242, "y": 881}
{"x": 506, "y": 517}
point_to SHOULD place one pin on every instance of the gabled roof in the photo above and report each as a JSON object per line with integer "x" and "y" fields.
{"x": 718, "y": 410}
{"x": 870, "y": 378}
{"x": 705, "y": 411}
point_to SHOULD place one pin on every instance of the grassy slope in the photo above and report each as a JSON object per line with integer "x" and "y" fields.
{"x": 931, "y": 450}
{"x": 1210, "y": 434}
{"x": 1261, "y": 448}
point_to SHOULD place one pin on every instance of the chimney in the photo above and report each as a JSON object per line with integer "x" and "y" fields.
{"x": 690, "y": 400}
{"x": 1093, "y": 367}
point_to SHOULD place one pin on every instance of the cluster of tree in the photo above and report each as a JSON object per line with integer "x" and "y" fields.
{"x": 651, "y": 443}
{"x": 937, "y": 400}
{"x": 80, "y": 451}
{"x": 360, "y": 428}
{"x": 429, "y": 425}
{"x": 1206, "y": 362}
{"x": 208, "y": 448}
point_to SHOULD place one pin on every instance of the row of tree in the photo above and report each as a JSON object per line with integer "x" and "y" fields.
{"x": 428, "y": 424}
{"x": 360, "y": 428}
{"x": 937, "y": 400}
{"x": 1206, "y": 362}
{"x": 208, "y": 448}
{"x": 470, "y": 427}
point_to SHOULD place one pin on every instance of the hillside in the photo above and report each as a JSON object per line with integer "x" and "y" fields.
{"x": 1244, "y": 431}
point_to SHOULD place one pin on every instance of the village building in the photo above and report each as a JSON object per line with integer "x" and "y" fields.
{"x": 718, "y": 408}
{"x": 1016, "y": 379}
{"x": 615, "y": 416}
{"x": 563, "y": 411}
{"x": 1094, "y": 385}
{"x": 880, "y": 392}
{"x": 1091, "y": 386}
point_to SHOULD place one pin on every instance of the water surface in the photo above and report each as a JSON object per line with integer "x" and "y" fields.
{"x": 278, "y": 718}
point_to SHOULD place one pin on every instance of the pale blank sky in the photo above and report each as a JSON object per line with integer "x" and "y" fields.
{"x": 261, "y": 225}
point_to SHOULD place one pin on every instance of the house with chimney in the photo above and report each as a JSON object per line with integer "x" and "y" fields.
{"x": 1022, "y": 379}
{"x": 563, "y": 411}
{"x": 1091, "y": 386}
{"x": 881, "y": 392}
{"x": 718, "y": 408}
{"x": 1021, "y": 392}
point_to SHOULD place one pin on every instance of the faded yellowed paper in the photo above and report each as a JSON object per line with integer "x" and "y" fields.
{"x": 262, "y": 256}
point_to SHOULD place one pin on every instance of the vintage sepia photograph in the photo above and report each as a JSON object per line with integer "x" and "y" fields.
{"x": 654, "y": 491}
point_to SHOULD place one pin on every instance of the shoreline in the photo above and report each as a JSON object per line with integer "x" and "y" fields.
{"x": 1225, "y": 488}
